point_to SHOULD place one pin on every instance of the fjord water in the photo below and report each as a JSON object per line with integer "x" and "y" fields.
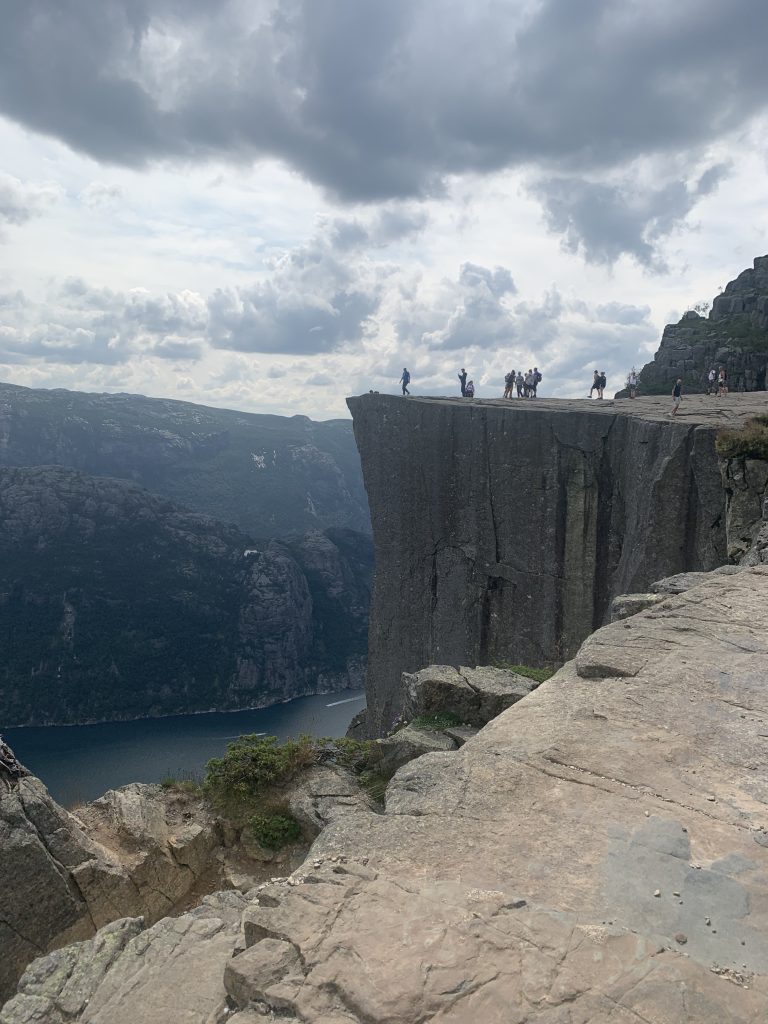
{"x": 80, "y": 762}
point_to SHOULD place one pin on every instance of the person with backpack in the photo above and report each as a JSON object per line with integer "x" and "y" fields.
{"x": 405, "y": 380}
{"x": 528, "y": 388}
{"x": 722, "y": 382}
{"x": 536, "y": 380}
{"x": 469, "y": 390}
{"x": 602, "y": 381}
{"x": 520, "y": 383}
{"x": 463, "y": 382}
{"x": 712, "y": 382}
{"x": 509, "y": 383}
{"x": 632, "y": 383}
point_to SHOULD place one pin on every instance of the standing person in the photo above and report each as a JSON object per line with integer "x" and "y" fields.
{"x": 509, "y": 383}
{"x": 519, "y": 383}
{"x": 529, "y": 384}
{"x": 602, "y": 380}
{"x": 469, "y": 389}
{"x": 536, "y": 380}
{"x": 632, "y": 383}
{"x": 722, "y": 382}
{"x": 405, "y": 380}
{"x": 677, "y": 393}
{"x": 463, "y": 382}
{"x": 595, "y": 383}
{"x": 712, "y": 382}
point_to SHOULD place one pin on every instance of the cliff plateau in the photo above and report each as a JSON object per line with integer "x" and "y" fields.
{"x": 503, "y": 530}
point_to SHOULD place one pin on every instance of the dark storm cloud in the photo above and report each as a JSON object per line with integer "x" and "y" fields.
{"x": 606, "y": 221}
{"x": 375, "y": 100}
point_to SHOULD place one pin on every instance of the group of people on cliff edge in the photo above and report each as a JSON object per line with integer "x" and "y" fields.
{"x": 526, "y": 385}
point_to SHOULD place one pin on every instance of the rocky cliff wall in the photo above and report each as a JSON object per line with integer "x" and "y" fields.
{"x": 502, "y": 531}
{"x": 734, "y": 335}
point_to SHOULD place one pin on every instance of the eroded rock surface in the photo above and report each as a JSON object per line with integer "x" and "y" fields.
{"x": 136, "y": 851}
{"x": 173, "y": 971}
{"x": 598, "y": 853}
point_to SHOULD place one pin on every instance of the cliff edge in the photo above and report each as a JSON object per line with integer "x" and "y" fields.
{"x": 503, "y": 530}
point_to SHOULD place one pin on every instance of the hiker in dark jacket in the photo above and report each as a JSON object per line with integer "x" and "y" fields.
{"x": 405, "y": 380}
{"x": 463, "y": 382}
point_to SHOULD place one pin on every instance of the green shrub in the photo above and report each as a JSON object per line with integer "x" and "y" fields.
{"x": 274, "y": 831}
{"x": 251, "y": 767}
{"x": 750, "y": 441}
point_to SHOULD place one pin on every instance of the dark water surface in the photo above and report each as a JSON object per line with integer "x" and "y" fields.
{"x": 80, "y": 762}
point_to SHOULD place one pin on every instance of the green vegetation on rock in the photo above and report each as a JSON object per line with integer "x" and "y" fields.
{"x": 239, "y": 783}
{"x": 274, "y": 831}
{"x": 435, "y": 723}
{"x": 540, "y": 675}
{"x": 751, "y": 441}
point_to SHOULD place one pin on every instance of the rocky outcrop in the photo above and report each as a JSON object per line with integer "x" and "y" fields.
{"x": 745, "y": 481}
{"x": 127, "y": 974}
{"x": 599, "y": 852}
{"x": 137, "y": 851}
{"x": 503, "y": 531}
{"x": 269, "y": 475}
{"x": 734, "y": 335}
{"x": 118, "y": 604}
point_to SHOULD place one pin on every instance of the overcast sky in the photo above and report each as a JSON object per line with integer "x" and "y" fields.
{"x": 272, "y": 204}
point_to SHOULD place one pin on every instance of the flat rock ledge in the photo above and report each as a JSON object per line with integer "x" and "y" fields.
{"x": 597, "y": 854}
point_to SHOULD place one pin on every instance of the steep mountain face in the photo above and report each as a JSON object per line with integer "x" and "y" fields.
{"x": 268, "y": 475}
{"x": 115, "y": 603}
{"x": 735, "y": 335}
{"x": 503, "y": 531}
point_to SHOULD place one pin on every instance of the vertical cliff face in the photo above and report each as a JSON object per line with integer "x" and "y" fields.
{"x": 502, "y": 531}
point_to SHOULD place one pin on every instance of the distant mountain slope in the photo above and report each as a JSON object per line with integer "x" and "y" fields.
{"x": 114, "y": 603}
{"x": 269, "y": 475}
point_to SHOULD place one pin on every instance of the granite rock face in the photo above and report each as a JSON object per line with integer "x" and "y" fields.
{"x": 137, "y": 851}
{"x": 597, "y": 854}
{"x": 734, "y": 335}
{"x": 173, "y": 971}
{"x": 503, "y": 531}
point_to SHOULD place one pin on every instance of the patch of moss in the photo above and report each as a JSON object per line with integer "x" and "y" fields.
{"x": 434, "y": 723}
{"x": 539, "y": 675}
{"x": 750, "y": 441}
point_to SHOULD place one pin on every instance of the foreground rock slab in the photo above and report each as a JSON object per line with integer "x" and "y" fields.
{"x": 598, "y": 853}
